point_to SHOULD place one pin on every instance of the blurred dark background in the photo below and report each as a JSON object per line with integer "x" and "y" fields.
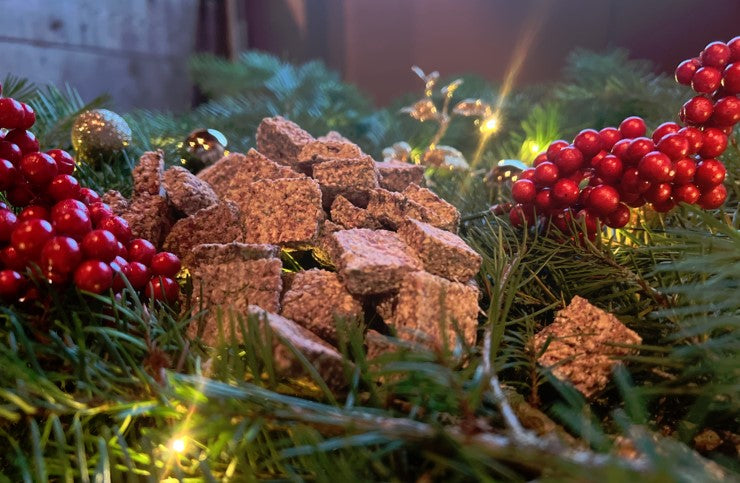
{"x": 137, "y": 50}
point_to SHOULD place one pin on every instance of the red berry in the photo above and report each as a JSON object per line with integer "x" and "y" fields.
{"x": 527, "y": 174}
{"x": 588, "y": 142}
{"x": 38, "y": 168}
{"x": 541, "y": 158}
{"x": 21, "y": 194}
{"x": 685, "y": 71}
{"x": 12, "y": 284}
{"x": 597, "y": 158}
{"x": 60, "y": 254}
{"x": 619, "y": 217}
{"x": 697, "y": 110}
{"x": 163, "y": 289}
{"x": 563, "y": 220}
{"x": 686, "y": 193}
{"x": 731, "y": 78}
{"x": 554, "y": 148}
{"x": 72, "y": 223}
{"x": 8, "y": 174}
{"x": 609, "y": 168}
{"x": 715, "y": 54}
{"x": 675, "y": 146}
{"x": 632, "y": 182}
{"x": 635, "y": 202}
{"x": 93, "y": 276}
{"x": 30, "y": 236}
{"x": 656, "y": 167}
{"x": 10, "y": 151}
{"x": 166, "y": 264}
{"x": 29, "y": 117}
{"x": 663, "y": 129}
{"x": 546, "y": 174}
{"x": 543, "y": 202}
{"x": 726, "y": 111}
{"x": 63, "y": 186}
{"x": 709, "y": 172}
{"x": 8, "y": 222}
{"x": 137, "y": 274}
{"x": 65, "y": 161}
{"x": 685, "y": 169}
{"x": 632, "y": 127}
{"x": 638, "y": 148}
{"x": 25, "y": 140}
{"x": 523, "y": 191}
{"x": 88, "y": 196}
{"x": 118, "y": 226}
{"x": 706, "y": 80}
{"x": 714, "y": 143}
{"x": 122, "y": 251}
{"x": 694, "y": 136}
{"x": 117, "y": 264}
{"x": 99, "y": 211}
{"x": 10, "y": 258}
{"x": 609, "y": 136}
{"x": 603, "y": 200}
{"x": 658, "y": 193}
{"x": 67, "y": 205}
{"x": 565, "y": 192}
{"x": 34, "y": 212}
{"x": 11, "y": 113}
{"x": 734, "y": 46}
{"x": 620, "y": 148}
{"x": 590, "y": 222}
{"x": 714, "y": 198}
{"x": 100, "y": 245}
{"x": 568, "y": 160}
{"x": 665, "y": 206}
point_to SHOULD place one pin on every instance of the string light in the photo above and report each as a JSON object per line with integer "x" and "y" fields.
{"x": 178, "y": 445}
{"x": 490, "y": 125}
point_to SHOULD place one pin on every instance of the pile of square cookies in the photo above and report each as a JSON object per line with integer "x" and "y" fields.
{"x": 389, "y": 246}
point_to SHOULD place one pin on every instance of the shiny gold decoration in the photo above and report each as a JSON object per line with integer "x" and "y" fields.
{"x": 472, "y": 108}
{"x": 204, "y": 147}
{"x": 505, "y": 170}
{"x": 423, "y": 110}
{"x": 445, "y": 156}
{"x": 400, "y": 151}
{"x": 99, "y": 132}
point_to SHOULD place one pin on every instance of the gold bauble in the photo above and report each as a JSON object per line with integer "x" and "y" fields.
{"x": 99, "y": 132}
{"x": 204, "y": 147}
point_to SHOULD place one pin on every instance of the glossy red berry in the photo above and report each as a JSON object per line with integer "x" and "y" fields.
{"x": 568, "y": 160}
{"x": 8, "y": 222}
{"x": 11, "y": 259}
{"x": 523, "y": 191}
{"x": 67, "y": 205}
{"x": 731, "y": 78}
{"x": 88, "y": 196}
{"x": 609, "y": 168}
{"x": 665, "y": 206}
{"x": 25, "y": 140}
{"x": 603, "y": 200}
{"x": 72, "y": 223}
{"x": 714, "y": 143}
{"x": 590, "y": 222}
{"x": 709, "y": 172}
{"x": 726, "y": 111}
{"x": 539, "y": 159}
{"x": 93, "y": 276}
{"x": 620, "y": 148}
{"x": 137, "y": 274}
{"x": 694, "y": 137}
{"x": 686, "y": 193}
{"x": 100, "y": 245}
{"x": 61, "y": 254}
{"x": 686, "y": 70}
{"x": 546, "y": 174}
{"x": 99, "y": 211}
{"x": 29, "y": 117}
{"x": 10, "y": 151}
{"x": 21, "y": 194}
{"x": 664, "y": 129}
{"x": 638, "y": 148}
{"x": 63, "y": 186}
{"x": 656, "y": 167}
{"x": 597, "y": 158}
{"x": 588, "y": 142}
{"x": 38, "y": 168}
{"x": 163, "y": 289}
{"x": 65, "y": 161}
{"x": 715, "y": 54}
{"x": 527, "y": 174}
{"x": 118, "y": 226}
{"x": 713, "y": 198}
{"x": 675, "y": 146}
{"x": 11, "y": 113}
{"x": 685, "y": 169}
{"x": 658, "y": 193}
{"x": 619, "y": 217}
{"x": 8, "y": 174}
{"x": 34, "y": 212}
{"x": 609, "y": 136}
{"x": 12, "y": 284}
{"x": 734, "y": 46}
{"x": 555, "y": 148}
{"x": 632, "y": 182}
{"x": 565, "y": 192}
{"x": 697, "y": 110}
{"x": 30, "y": 236}
{"x": 706, "y": 80}
{"x": 632, "y": 127}
{"x": 166, "y": 264}
{"x": 543, "y": 202}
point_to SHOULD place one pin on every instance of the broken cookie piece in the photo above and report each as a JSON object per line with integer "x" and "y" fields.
{"x": 371, "y": 261}
{"x": 350, "y": 216}
{"x": 117, "y": 202}
{"x": 186, "y": 192}
{"x": 397, "y": 175}
{"x": 149, "y": 218}
{"x": 236, "y": 170}
{"x": 438, "y": 212}
{"x": 317, "y": 152}
{"x": 585, "y": 343}
{"x": 281, "y": 140}
{"x": 351, "y": 178}
{"x": 391, "y": 208}
{"x": 148, "y": 174}
{"x": 443, "y": 253}
{"x": 315, "y": 299}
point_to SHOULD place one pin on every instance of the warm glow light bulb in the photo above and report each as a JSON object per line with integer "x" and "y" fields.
{"x": 489, "y": 125}
{"x": 178, "y": 445}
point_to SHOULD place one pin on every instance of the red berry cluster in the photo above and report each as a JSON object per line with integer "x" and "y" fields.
{"x": 57, "y": 231}
{"x": 600, "y": 175}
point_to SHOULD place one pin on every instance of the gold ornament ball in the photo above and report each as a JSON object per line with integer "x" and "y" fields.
{"x": 99, "y": 132}
{"x": 204, "y": 147}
